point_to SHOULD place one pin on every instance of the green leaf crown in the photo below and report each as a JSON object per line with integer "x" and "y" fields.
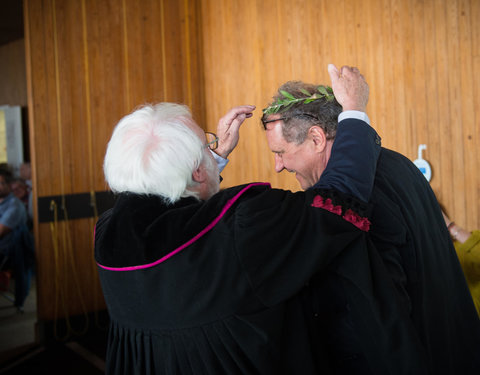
{"x": 288, "y": 100}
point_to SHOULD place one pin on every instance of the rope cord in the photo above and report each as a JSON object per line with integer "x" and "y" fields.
{"x": 56, "y": 255}
{"x": 93, "y": 200}
{"x": 61, "y": 262}
{"x": 69, "y": 247}
{"x": 93, "y": 203}
{"x": 60, "y": 289}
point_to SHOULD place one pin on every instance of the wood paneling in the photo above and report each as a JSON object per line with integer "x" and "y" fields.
{"x": 13, "y": 85}
{"x": 419, "y": 57}
{"x": 91, "y": 62}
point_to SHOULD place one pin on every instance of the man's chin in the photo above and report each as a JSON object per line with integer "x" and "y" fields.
{"x": 303, "y": 184}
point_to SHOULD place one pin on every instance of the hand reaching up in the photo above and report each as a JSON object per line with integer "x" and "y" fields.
{"x": 228, "y": 128}
{"x": 349, "y": 87}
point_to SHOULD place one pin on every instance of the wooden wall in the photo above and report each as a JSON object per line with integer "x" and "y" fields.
{"x": 90, "y": 62}
{"x": 13, "y": 85}
{"x": 420, "y": 58}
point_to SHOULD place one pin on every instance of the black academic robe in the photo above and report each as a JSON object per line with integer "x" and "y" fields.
{"x": 401, "y": 304}
{"x": 212, "y": 287}
{"x": 201, "y": 287}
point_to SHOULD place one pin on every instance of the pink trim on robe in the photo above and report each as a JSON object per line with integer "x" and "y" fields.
{"x": 191, "y": 241}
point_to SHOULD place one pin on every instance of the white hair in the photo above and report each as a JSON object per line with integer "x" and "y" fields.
{"x": 152, "y": 151}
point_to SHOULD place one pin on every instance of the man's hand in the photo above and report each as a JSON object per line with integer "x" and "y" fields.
{"x": 349, "y": 87}
{"x": 228, "y": 128}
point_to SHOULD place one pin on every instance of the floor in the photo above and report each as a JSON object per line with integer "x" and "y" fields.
{"x": 21, "y": 354}
{"x": 17, "y": 329}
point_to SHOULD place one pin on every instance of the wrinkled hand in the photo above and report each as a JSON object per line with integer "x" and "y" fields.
{"x": 228, "y": 128}
{"x": 349, "y": 87}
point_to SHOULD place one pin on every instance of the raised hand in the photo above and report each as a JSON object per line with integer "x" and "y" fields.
{"x": 229, "y": 126}
{"x": 349, "y": 87}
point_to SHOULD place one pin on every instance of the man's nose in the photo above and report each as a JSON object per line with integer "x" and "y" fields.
{"x": 278, "y": 163}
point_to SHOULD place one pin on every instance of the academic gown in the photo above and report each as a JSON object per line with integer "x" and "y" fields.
{"x": 188, "y": 294}
{"x": 210, "y": 287}
{"x": 402, "y": 306}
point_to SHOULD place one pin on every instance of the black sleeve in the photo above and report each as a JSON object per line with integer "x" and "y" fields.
{"x": 352, "y": 164}
{"x": 283, "y": 238}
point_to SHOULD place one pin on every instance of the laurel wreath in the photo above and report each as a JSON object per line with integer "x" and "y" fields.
{"x": 288, "y": 99}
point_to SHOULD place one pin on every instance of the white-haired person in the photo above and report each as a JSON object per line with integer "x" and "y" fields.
{"x": 202, "y": 281}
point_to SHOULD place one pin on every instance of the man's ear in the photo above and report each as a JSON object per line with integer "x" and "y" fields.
{"x": 200, "y": 174}
{"x": 318, "y": 137}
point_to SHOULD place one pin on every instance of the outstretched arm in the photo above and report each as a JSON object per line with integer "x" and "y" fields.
{"x": 352, "y": 164}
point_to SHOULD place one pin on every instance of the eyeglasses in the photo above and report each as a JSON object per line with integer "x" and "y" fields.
{"x": 265, "y": 122}
{"x": 212, "y": 140}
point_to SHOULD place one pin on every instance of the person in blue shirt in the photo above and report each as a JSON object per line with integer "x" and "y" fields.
{"x": 15, "y": 242}
{"x": 12, "y": 211}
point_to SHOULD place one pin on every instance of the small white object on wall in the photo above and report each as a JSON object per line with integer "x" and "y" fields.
{"x": 422, "y": 164}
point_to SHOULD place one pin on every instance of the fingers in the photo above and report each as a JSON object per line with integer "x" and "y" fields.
{"x": 334, "y": 73}
{"x": 350, "y": 72}
{"x": 236, "y": 111}
{"x": 234, "y": 118}
{"x": 228, "y": 128}
{"x": 349, "y": 87}
{"x": 237, "y": 121}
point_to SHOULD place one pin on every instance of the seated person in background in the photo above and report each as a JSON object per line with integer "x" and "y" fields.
{"x": 12, "y": 210}
{"x": 13, "y": 234}
{"x": 196, "y": 280}
{"x": 467, "y": 245}
{"x": 26, "y": 175}
{"x": 22, "y": 191}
